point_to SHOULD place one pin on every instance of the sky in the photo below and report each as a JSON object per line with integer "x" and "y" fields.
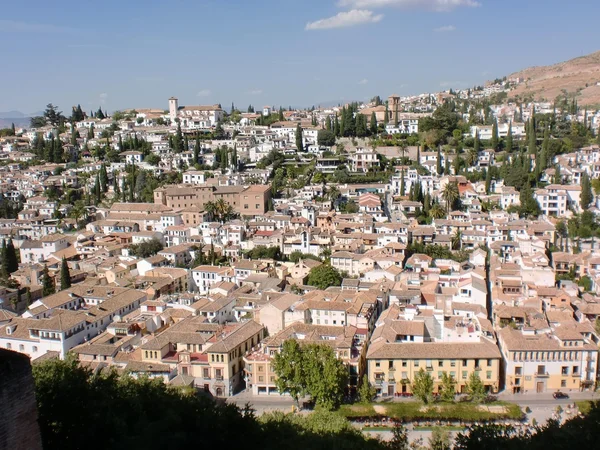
{"x": 137, "y": 54}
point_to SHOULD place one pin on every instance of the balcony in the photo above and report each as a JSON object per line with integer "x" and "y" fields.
{"x": 576, "y": 375}
{"x": 478, "y": 368}
{"x": 379, "y": 381}
{"x": 542, "y": 374}
{"x": 219, "y": 378}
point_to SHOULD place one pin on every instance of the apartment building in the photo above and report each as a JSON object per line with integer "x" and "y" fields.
{"x": 545, "y": 360}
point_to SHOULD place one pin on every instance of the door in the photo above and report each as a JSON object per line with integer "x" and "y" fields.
{"x": 540, "y": 387}
{"x": 391, "y": 391}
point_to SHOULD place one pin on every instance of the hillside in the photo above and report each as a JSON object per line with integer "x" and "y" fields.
{"x": 577, "y": 76}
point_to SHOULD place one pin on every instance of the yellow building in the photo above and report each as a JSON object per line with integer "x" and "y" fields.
{"x": 392, "y": 366}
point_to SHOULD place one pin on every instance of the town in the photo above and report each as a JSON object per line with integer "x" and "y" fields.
{"x": 446, "y": 233}
{"x": 427, "y": 246}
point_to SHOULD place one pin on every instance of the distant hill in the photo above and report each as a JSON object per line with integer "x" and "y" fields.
{"x": 579, "y": 76}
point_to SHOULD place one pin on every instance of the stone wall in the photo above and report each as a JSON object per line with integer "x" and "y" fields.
{"x": 19, "y": 429}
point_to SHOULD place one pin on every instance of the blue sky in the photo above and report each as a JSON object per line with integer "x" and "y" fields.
{"x": 131, "y": 53}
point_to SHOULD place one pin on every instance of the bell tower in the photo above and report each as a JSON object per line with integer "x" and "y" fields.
{"x": 173, "y": 107}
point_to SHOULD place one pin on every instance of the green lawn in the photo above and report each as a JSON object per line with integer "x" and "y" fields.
{"x": 409, "y": 411}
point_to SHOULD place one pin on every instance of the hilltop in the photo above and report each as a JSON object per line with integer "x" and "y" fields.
{"x": 577, "y": 76}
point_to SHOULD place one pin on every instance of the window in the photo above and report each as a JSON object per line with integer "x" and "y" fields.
{"x": 488, "y": 375}
{"x": 21, "y": 348}
{"x": 464, "y": 374}
{"x": 416, "y": 363}
{"x": 8, "y": 345}
{"x": 261, "y": 379}
{"x": 35, "y": 349}
{"x": 440, "y": 363}
{"x": 260, "y": 368}
{"x": 404, "y": 364}
{"x": 564, "y": 370}
{"x": 563, "y": 383}
{"x": 453, "y": 363}
{"x": 390, "y": 364}
{"x": 575, "y": 370}
{"x": 465, "y": 362}
{"x": 377, "y": 364}
{"x": 490, "y": 362}
{"x": 518, "y": 371}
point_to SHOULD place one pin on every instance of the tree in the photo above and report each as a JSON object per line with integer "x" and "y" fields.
{"x": 146, "y": 249}
{"x": 65, "y": 275}
{"x": 326, "y": 376}
{"x": 586, "y": 192}
{"x": 100, "y": 114}
{"x": 440, "y": 439}
{"x": 437, "y": 211}
{"x": 422, "y": 386}
{"x": 509, "y": 139}
{"x": 476, "y": 143}
{"x": 475, "y": 388}
{"x": 450, "y": 194}
{"x": 103, "y": 179}
{"x": 366, "y": 392}
{"x": 47, "y": 283}
{"x": 324, "y": 276}
{"x": 373, "y": 124}
{"x": 53, "y": 116}
{"x": 9, "y": 262}
{"x": 326, "y": 138}
{"x": 531, "y": 146}
{"x": 289, "y": 367}
{"x": 299, "y": 144}
{"x": 448, "y": 387}
{"x": 399, "y": 439}
{"x": 495, "y": 135}
{"x": 439, "y": 168}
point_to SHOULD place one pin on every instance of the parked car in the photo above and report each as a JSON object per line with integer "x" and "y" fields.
{"x": 559, "y": 394}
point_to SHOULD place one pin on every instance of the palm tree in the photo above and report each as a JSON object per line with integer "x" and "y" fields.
{"x": 437, "y": 211}
{"x": 210, "y": 208}
{"x": 334, "y": 193}
{"x": 472, "y": 157}
{"x": 450, "y": 194}
{"x": 457, "y": 240}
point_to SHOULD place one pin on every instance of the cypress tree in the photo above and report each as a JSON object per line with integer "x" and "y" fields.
{"x": 73, "y": 136}
{"x": 373, "y": 123}
{"x": 418, "y": 154}
{"x": 402, "y": 184}
{"x": 439, "y": 167}
{"x": 65, "y": 275}
{"x": 586, "y": 192}
{"x": 97, "y": 190}
{"x": 103, "y": 178}
{"x": 446, "y": 162}
{"x": 336, "y": 127}
{"x": 509, "y": 138}
{"x": 4, "y": 264}
{"x": 197, "y": 148}
{"x": 186, "y": 146}
{"x": 48, "y": 287}
{"x": 495, "y": 135}
{"x": 328, "y": 123}
{"x": 10, "y": 257}
{"x": 234, "y": 157}
{"x": 12, "y": 129}
{"x": 91, "y": 134}
{"x": 457, "y": 163}
{"x": 299, "y": 144}
{"x": 386, "y": 117}
{"x": 476, "y": 142}
{"x": 488, "y": 181}
{"x": 396, "y": 116}
{"x": 557, "y": 175}
{"x": 117, "y": 190}
{"x": 532, "y": 138}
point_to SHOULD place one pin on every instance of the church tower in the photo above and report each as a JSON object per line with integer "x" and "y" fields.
{"x": 173, "y": 108}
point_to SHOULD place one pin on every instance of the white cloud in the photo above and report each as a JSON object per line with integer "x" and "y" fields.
{"x": 204, "y": 93}
{"x": 345, "y": 19}
{"x": 445, "y": 29}
{"x": 15, "y": 26}
{"x": 255, "y": 92}
{"x": 431, "y": 5}
{"x": 363, "y": 81}
{"x": 103, "y": 97}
